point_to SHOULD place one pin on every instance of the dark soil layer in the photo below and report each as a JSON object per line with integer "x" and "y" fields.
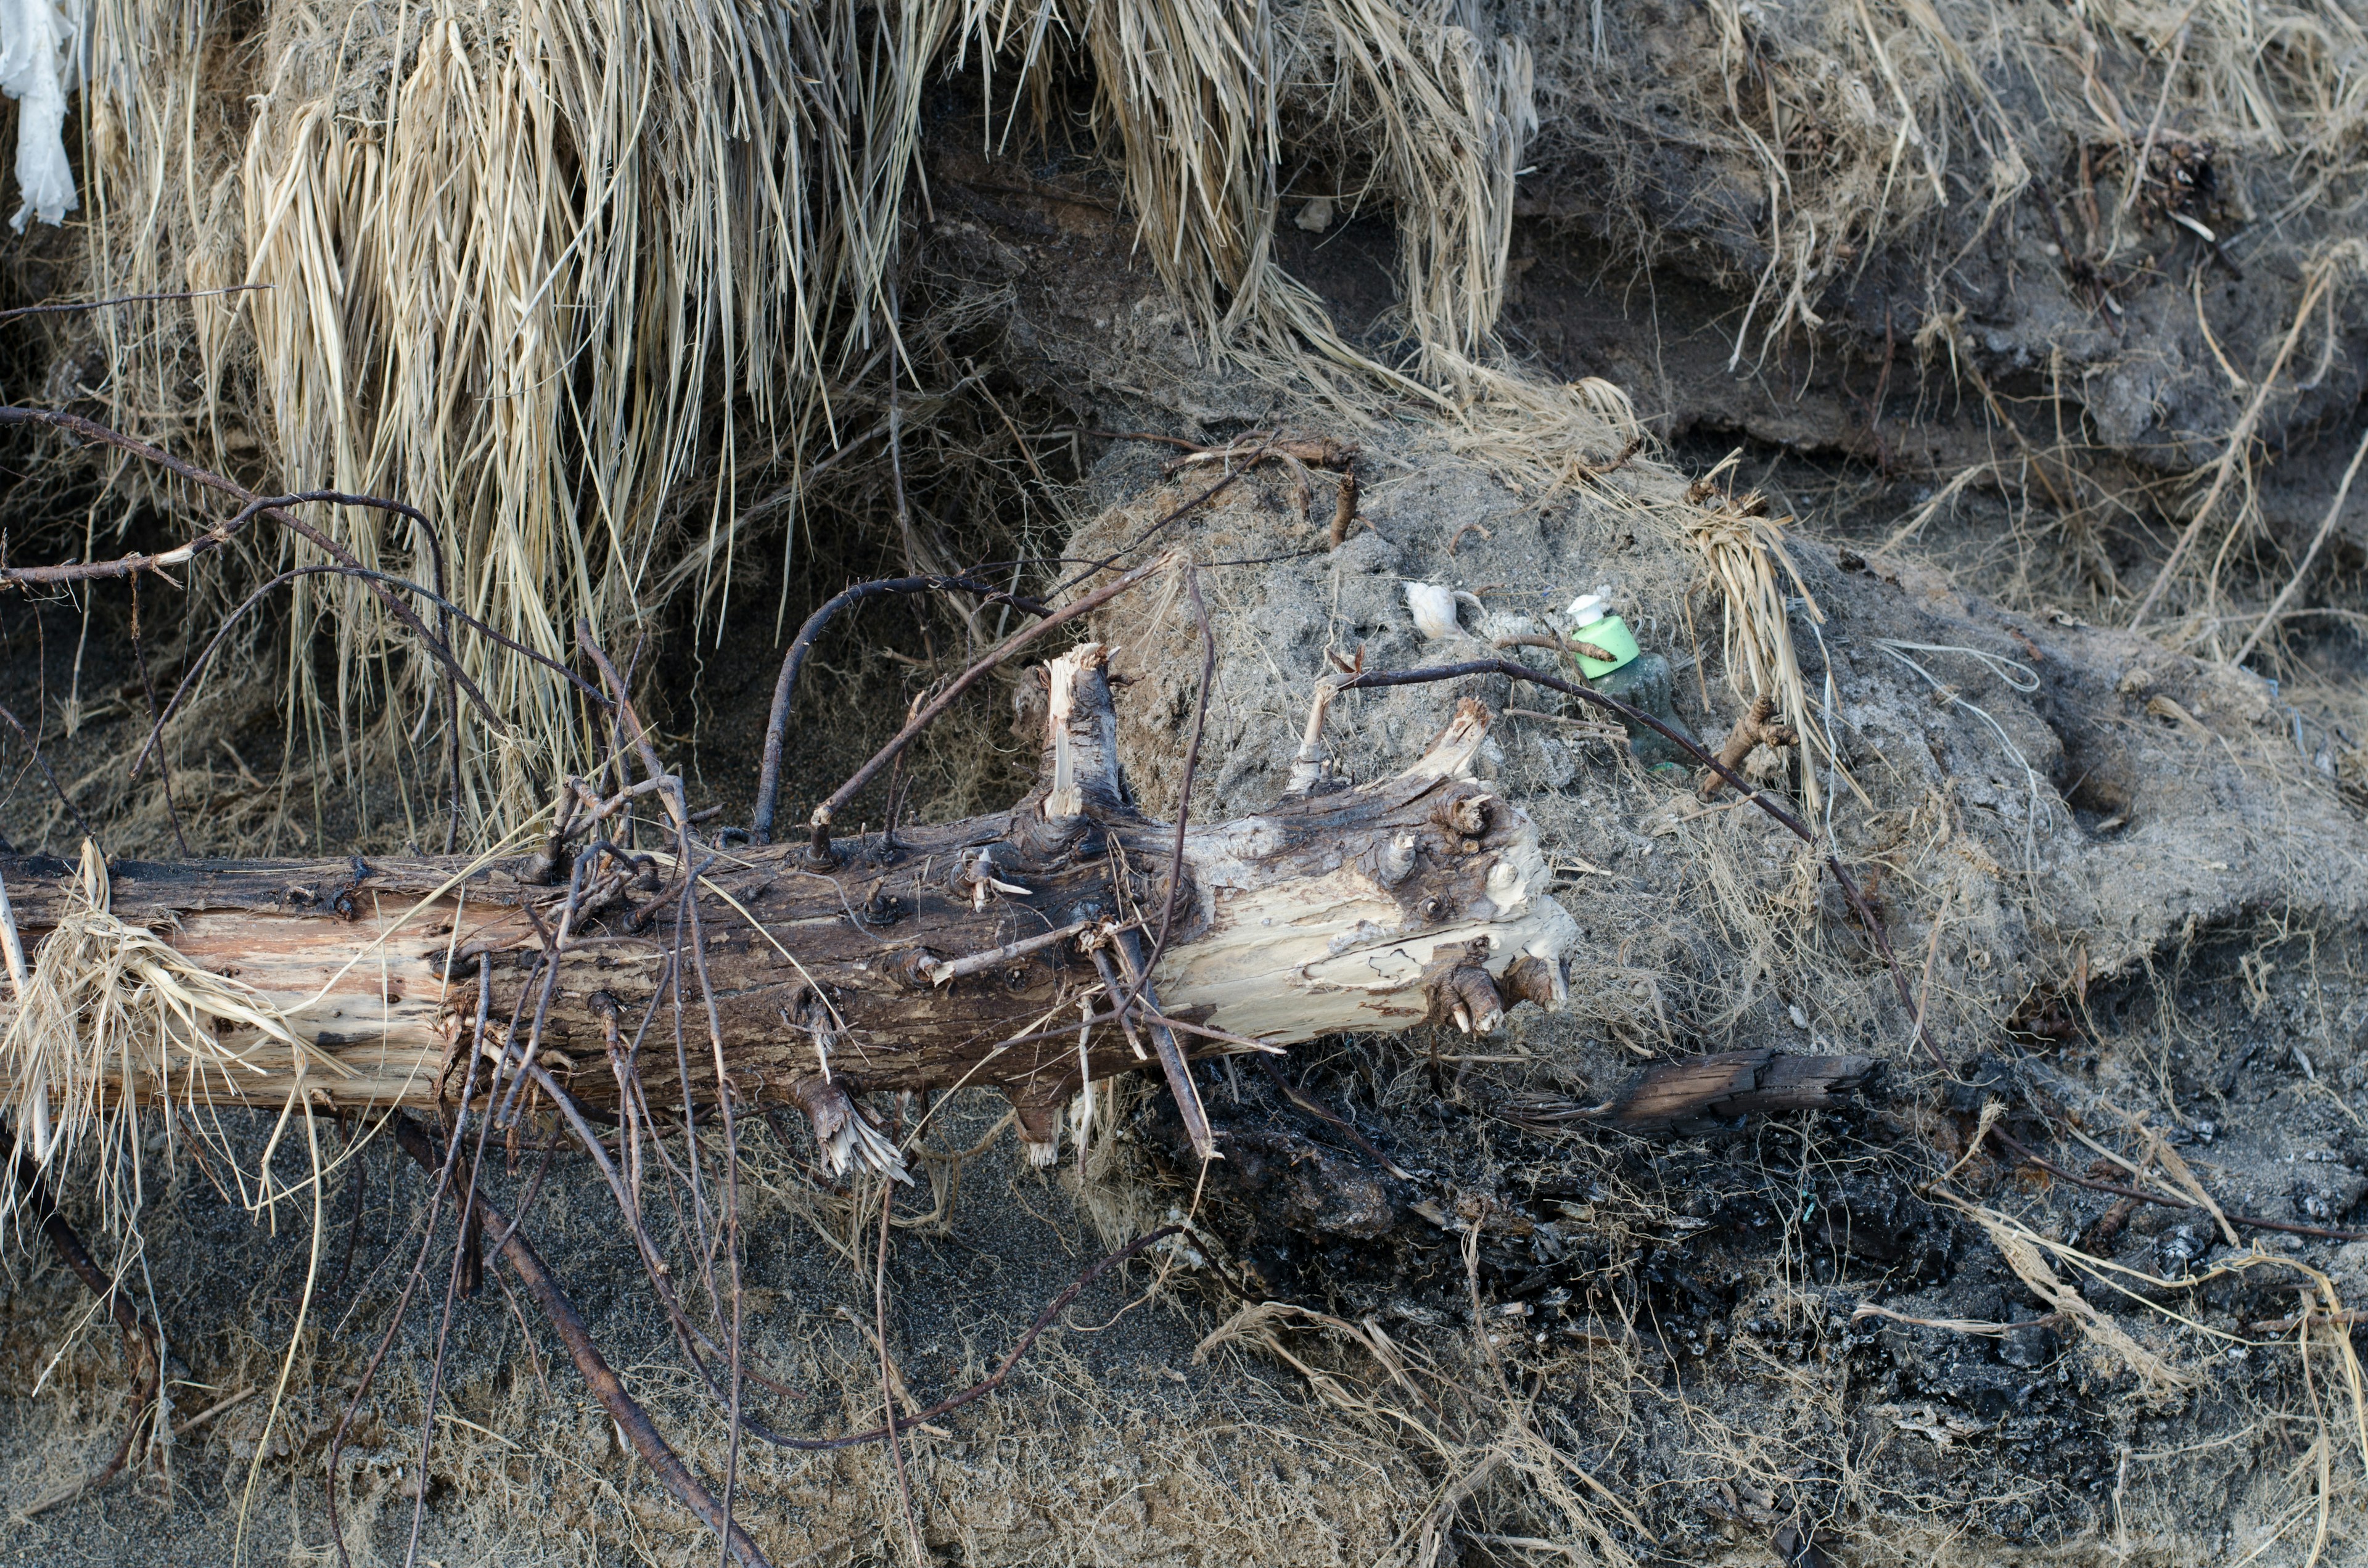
{"x": 2123, "y": 880}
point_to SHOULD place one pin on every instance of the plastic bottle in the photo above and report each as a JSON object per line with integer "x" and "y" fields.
{"x": 1591, "y": 621}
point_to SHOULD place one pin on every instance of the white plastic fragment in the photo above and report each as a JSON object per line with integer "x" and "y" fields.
{"x": 1434, "y": 610}
{"x": 41, "y": 58}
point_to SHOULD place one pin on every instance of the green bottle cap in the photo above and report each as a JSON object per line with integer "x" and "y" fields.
{"x": 1589, "y": 624}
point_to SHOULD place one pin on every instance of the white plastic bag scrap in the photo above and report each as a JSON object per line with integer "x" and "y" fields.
{"x": 39, "y": 59}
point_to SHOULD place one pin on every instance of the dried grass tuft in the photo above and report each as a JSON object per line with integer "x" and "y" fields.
{"x": 1744, "y": 550}
{"x": 571, "y": 279}
{"x": 106, "y": 1005}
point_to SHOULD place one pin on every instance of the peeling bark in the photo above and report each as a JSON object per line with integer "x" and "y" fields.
{"x": 955, "y": 955}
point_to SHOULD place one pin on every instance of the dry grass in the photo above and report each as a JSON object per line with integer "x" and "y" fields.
{"x": 1744, "y": 550}
{"x": 594, "y": 288}
{"x": 1865, "y": 120}
{"x": 106, "y": 1005}
{"x": 598, "y": 289}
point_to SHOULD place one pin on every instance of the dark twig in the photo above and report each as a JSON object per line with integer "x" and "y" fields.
{"x": 785, "y": 685}
{"x": 623, "y": 1186}
{"x": 140, "y": 1343}
{"x": 630, "y": 1419}
{"x": 828, "y": 810}
{"x": 466, "y": 1277}
{"x": 81, "y": 305}
{"x": 1191, "y": 766}
{"x": 252, "y": 505}
{"x": 1122, "y": 1004}
{"x": 222, "y": 533}
{"x": 148, "y": 688}
{"x": 1166, "y": 520}
{"x": 728, "y": 1234}
{"x": 354, "y": 1227}
{"x": 887, "y": 1383}
{"x": 1373, "y": 680}
{"x": 443, "y": 1171}
{"x": 996, "y": 1379}
{"x": 275, "y": 510}
{"x": 1173, "y": 1063}
{"x": 34, "y": 749}
{"x": 1324, "y": 1113}
{"x": 1177, "y": 442}
{"x": 444, "y": 653}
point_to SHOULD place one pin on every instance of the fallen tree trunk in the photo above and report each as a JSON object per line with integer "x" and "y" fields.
{"x": 980, "y": 953}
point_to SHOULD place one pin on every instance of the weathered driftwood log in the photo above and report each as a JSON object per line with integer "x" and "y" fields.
{"x": 976, "y": 953}
{"x": 1736, "y": 1084}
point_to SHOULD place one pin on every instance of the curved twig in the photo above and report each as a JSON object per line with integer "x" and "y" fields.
{"x": 1191, "y": 767}
{"x": 1188, "y": 504}
{"x": 828, "y": 810}
{"x": 275, "y": 510}
{"x": 140, "y": 1341}
{"x": 2250, "y": 1221}
{"x": 606, "y": 1386}
{"x": 996, "y": 1379}
{"x": 33, "y": 747}
{"x": 222, "y": 533}
{"x": 443, "y": 1174}
{"x": 442, "y": 650}
{"x": 76, "y": 307}
{"x": 785, "y": 685}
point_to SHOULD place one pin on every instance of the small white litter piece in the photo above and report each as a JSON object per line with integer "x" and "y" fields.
{"x": 1434, "y": 609}
{"x": 40, "y": 62}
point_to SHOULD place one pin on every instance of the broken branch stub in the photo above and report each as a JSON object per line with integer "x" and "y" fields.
{"x": 913, "y": 963}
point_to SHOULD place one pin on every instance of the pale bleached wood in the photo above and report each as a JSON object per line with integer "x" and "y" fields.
{"x": 1371, "y": 908}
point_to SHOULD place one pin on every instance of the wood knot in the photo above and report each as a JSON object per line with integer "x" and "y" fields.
{"x": 1464, "y": 817}
{"x": 913, "y": 967}
{"x": 1466, "y": 995}
{"x": 1533, "y": 979}
{"x": 882, "y": 908}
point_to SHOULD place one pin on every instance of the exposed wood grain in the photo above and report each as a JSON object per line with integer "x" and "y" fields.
{"x": 1734, "y": 1083}
{"x": 1369, "y": 908}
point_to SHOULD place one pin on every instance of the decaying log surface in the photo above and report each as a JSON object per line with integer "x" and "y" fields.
{"x": 1734, "y": 1083}
{"x": 966, "y": 954}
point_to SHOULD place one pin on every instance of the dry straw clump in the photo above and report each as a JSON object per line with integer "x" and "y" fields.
{"x": 571, "y": 278}
{"x": 109, "y": 1016}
